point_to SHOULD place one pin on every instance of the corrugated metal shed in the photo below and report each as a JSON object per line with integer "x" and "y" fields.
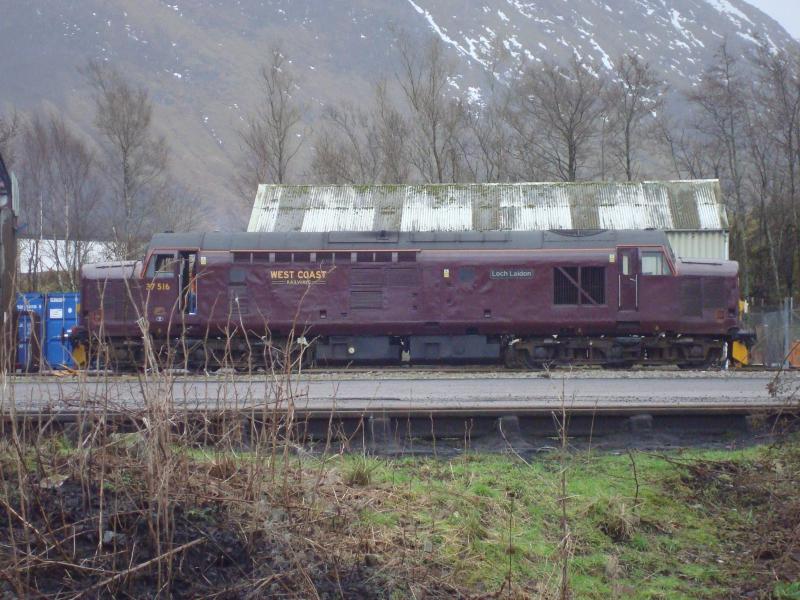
{"x": 678, "y": 207}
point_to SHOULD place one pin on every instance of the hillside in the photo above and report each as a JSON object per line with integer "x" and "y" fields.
{"x": 200, "y": 58}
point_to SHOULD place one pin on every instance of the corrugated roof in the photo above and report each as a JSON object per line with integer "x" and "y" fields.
{"x": 671, "y": 205}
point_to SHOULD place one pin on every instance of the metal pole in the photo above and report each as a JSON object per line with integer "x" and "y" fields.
{"x": 787, "y": 338}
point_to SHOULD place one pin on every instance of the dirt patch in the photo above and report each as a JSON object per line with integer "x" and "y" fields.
{"x": 93, "y": 532}
{"x": 758, "y": 504}
{"x": 71, "y": 545}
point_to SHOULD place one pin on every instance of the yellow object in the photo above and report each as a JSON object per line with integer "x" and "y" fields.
{"x": 79, "y": 355}
{"x": 740, "y": 354}
{"x": 65, "y": 372}
{"x": 794, "y": 354}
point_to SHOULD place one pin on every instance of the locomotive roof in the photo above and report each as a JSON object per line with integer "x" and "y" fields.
{"x": 409, "y": 240}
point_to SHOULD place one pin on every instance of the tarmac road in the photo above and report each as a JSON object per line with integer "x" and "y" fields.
{"x": 409, "y": 392}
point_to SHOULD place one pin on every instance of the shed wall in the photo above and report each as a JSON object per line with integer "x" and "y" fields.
{"x": 700, "y": 244}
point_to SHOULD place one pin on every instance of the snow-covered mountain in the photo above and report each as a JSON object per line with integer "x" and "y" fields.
{"x": 200, "y": 58}
{"x": 675, "y": 36}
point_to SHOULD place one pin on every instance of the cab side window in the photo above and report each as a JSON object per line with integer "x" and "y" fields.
{"x": 161, "y": 266}
{"x": 654, "y": 263}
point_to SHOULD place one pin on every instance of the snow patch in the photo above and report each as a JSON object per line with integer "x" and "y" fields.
{"x": 607, "y": 62}
{"x": 446, "y": 38}
{"x": 728, "y": 9}
{"x": 526, "y": 9}
{"x": 474, "y": 96}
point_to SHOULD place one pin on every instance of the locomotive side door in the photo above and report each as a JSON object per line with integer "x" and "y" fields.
{"x": 161, "y": 289}
{"x": 628, "y": 273}
{"x": 188, "y": 282}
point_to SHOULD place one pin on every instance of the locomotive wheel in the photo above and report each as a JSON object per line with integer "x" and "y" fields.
{"x": 522, "y": 359}
{"x": 712, "y": 361}
{"x": 276, "y": 358}
{"x": 617, "y": 365}
{"x": 530, "y": 363}
{"x": 706, "y": 364}
{"x": 511, "y": 359}
{"x": 518, "y": 359}
{"x": 307, "y": 360}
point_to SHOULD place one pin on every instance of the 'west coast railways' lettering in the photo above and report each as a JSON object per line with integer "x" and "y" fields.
{"x": 298, "y": 276}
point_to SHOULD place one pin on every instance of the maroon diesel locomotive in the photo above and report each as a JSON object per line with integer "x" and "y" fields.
{"x": 611, "y": 298}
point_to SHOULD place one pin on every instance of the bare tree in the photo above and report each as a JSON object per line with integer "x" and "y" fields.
{"x": 560, "y": 108}
{"x": 765, "y": 181}
{"x": 391, "y": 131}
{"x": 777, "y": 100}
{"x": 180, "y": 208}
{"x": 489, "y": 154}
{"x": 346, "y": 150}
{"x": 34, "y": 193}
{"x": 273, "y": 135}
{"x": 76, "y": 191}
{"x": 690, "y": 156}
{"x": 9, "y": 130}
{"x": 634, "y": 95}
{"x": 61, "y": 194}
{"x": 524, "y": 133}
{"x": 436, "y": 120}
{"x": 721, "y": 111}
{"x": 362, "y": 146}
{"x": 136, "y": 158}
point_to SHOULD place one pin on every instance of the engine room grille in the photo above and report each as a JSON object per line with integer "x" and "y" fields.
{"x": 564, "y": 290}
{"x": 402, "y": 276}
{"x": 713, "y": 293}
{"x": 239, "y": 302}
{"x": 593, "y": 282}
{"x": 366, "y": 276}
{"x": 692, "y": 298}
{"x": 117, "y": 304}
{"x": 366, "y": 299}
{"x": 579, "y": 285}
{"x": 366, "y": 290}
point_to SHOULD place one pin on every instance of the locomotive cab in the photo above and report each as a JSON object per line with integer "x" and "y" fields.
{"x": 641, "y": 269}
{"x": 171, "y": 285}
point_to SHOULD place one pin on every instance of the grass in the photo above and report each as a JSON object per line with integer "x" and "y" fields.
{"x": 493, "y": 520}
{"x": 479, "y": 524}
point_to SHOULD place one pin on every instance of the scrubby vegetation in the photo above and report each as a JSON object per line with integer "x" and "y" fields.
{"x": 96, "y": 517}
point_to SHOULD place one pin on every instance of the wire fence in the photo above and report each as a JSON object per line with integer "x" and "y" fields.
{"x": 777, "y": 330}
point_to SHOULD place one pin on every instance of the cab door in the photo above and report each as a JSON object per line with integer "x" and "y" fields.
{"x": 188, "y": 282}
{"x": 628, "y": 268}
{"x": 161, "y": 290}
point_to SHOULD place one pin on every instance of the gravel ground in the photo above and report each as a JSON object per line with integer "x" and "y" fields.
{"x": 414, "y": 390}
{"x": 455, "y": 372}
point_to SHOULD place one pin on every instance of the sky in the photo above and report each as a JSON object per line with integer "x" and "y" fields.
{"x": 785, "y": 12}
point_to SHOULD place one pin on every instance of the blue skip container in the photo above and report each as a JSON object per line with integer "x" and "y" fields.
{"x": 30, "y": 333}
{"x": 61, "y": 316}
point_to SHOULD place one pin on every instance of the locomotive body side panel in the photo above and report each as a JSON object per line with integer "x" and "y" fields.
{"x": 446, "y": 291}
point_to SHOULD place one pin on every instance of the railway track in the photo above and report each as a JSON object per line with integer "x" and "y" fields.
{"x": 422, "y": 389}
{"x": 404, "y": 430}
{"x": 423, "y": 371}
{"x": 389, "y": 408}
